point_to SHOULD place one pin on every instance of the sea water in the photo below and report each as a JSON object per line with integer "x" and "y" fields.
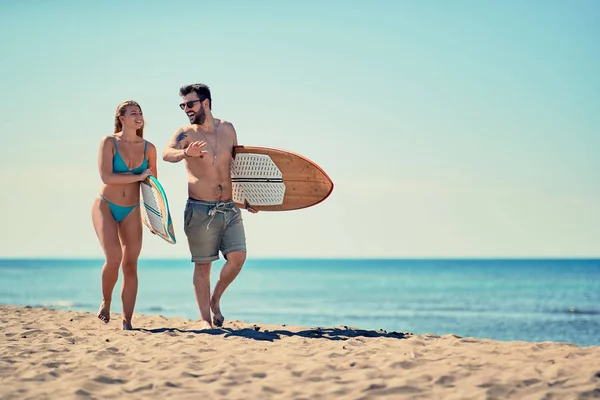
{"x": 509, "y": 300}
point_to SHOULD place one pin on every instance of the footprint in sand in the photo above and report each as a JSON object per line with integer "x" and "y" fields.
{"x": 149, "y": 386}
{"x": 108, "y": 380}
{"x": 445, "y": 380}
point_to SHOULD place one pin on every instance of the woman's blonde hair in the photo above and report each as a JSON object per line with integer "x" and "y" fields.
{"x": 121, "y": 111}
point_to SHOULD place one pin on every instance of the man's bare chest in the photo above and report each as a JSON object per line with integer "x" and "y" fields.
{"x": 216, "y": 143}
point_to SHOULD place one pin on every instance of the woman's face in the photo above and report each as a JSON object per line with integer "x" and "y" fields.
{"x": 133, "y": 117}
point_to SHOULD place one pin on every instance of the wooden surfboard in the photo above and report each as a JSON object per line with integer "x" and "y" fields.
{"x": 271, "y": 179}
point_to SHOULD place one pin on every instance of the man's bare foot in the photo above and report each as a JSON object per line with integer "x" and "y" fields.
{"x": 104, "y": 312}
{"x": 127, "y": 326}
{"x": 218, "y": 318}
{"x": 205, "y": 324}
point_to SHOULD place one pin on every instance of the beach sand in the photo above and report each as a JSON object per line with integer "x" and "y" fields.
{"x": 55, "y": 354}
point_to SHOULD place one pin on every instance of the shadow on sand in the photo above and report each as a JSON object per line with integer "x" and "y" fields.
{"x": 343, "y": 333}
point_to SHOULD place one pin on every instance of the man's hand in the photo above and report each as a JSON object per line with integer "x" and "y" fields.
{"x": 249, "y": 207}
{"x": 195, "y": 149}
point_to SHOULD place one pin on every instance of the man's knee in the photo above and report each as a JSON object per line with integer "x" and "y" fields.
{"x": 201, "y": 273}
{"x": 236, "y": 258}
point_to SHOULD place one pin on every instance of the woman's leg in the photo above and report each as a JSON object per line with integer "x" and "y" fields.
{"x": 107, "y": 231}
{"x": 130, "y": 231}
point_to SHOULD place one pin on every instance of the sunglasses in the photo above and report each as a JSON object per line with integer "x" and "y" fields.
{"x": 189, "y": 104}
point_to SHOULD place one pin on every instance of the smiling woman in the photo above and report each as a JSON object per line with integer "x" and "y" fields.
{"x": 124, "y": 160}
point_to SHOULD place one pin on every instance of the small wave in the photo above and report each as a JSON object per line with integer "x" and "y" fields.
{"x": 448, "y": 309}
{"x": 578, "y": 311}
{"x": 156, "y": 308}
{"x": 63, "y": 304}
{"x": 59, "y": 303}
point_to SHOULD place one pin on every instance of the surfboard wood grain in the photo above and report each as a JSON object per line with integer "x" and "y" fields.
{"x": 306, "y": 183}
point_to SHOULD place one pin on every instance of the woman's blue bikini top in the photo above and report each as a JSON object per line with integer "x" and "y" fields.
{"x": 120, "y": 167}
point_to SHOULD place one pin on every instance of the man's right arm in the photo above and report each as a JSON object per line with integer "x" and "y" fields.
{"x": 175, "y": 149}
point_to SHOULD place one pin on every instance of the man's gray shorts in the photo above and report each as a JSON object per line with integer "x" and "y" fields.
{"x": 211, "y": 226}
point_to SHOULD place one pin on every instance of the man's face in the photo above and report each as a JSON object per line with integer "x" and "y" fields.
{"x": 193, "y": 108}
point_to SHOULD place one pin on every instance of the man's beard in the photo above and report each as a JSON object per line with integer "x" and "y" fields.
{"x": 198, "y": 117}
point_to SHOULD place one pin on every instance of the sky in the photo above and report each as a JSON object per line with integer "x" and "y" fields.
{"x": 460, "y": 129}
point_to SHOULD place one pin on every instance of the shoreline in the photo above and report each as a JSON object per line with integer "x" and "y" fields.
{"x": 50, "y": 353}
{"x": 321, "y": 258}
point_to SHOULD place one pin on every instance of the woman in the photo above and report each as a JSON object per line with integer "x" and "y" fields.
{"x": 124, "y": 159}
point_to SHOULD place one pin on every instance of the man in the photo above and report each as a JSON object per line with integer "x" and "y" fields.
{"x": 212, "y": 222}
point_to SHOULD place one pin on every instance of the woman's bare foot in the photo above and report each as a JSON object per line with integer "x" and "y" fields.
{"x": 205, "y": 325}
{"x": 218, "y": 318}
{"x": 127, "y": 326}
{"x": 104, "y": 312}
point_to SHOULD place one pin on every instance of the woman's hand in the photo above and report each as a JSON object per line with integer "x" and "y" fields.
{"x": 145, "y": 174}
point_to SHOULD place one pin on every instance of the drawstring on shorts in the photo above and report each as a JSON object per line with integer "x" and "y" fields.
{"x": 220, "y": 207}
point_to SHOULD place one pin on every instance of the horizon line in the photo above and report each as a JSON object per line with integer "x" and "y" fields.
{"x": 466, "y": 258}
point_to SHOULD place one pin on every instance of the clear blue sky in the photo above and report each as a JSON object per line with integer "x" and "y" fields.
{"x": 450, "y": 129}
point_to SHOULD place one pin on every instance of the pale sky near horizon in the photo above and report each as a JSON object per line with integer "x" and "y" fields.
{"x": 450, "y": 129}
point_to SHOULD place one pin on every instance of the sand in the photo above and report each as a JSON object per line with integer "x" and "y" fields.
{"x": 55, "y": 354}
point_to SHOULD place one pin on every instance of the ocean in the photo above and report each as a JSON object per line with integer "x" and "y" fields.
{"x": 502, "y": 299}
